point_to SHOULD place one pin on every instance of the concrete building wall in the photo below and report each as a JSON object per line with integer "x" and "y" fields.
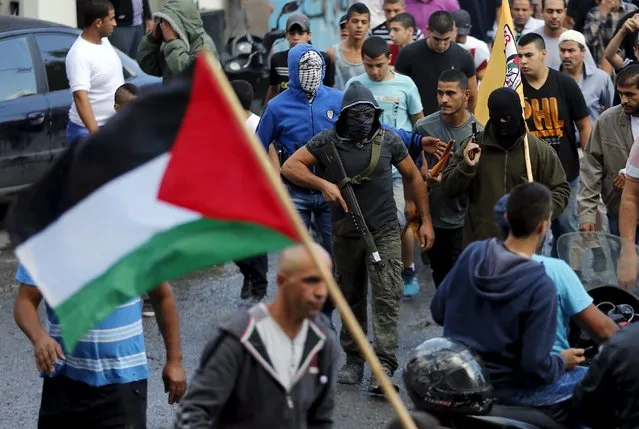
{"x": 60, "y": 11}
{"x": 64, "y": 11}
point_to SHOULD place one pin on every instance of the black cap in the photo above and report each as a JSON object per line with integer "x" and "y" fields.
{"x": 298, "y": 19}
{"x": 343, "y": 20}
{"x": 462, "y": 22}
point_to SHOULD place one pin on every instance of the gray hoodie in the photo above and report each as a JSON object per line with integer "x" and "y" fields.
{"x": 236, "y": 385}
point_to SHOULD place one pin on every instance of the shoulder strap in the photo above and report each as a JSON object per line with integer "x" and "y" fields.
{"x": 364, "y": 176}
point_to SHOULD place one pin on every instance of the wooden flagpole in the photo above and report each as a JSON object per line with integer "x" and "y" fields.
{"x": 527, "y": 157}
{"x": 335, "y": 293}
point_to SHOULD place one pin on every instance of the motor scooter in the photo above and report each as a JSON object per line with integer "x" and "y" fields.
{"x": 594, "y": 257}
{"x": 247, "y": 57}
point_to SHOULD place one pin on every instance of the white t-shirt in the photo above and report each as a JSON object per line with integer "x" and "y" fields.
{"x": 285, "y": 355}
{"x": 634, "y": 122}
{"x": 478, "y": 49}
{"x": 96, "y": 69}
{"x": 252, "y": 122}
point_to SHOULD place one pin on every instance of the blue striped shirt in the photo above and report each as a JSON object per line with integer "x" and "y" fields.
{"x": 111, "y": 353}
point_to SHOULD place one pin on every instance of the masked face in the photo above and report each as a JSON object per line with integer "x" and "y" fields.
{"x": 505, "y": 112}
{"x": 310, "y": 72}
{"x": 359, "y": 122}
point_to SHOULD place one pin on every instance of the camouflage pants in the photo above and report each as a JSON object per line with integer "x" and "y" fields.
{"x": 355, "y": 268}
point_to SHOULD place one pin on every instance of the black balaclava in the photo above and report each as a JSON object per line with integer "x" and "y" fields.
{"x": 360, "y": 120}
{"x": 504, "y": 108}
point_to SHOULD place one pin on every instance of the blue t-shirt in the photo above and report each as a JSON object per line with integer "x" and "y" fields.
{"x": 572, "y": 298}
{"x": 398, "y": 97}
{"x": 111, "y": 353}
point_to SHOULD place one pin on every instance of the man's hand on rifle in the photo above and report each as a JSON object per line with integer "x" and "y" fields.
{"x": 333, "y": 195}
{"x": 426, "y": 235}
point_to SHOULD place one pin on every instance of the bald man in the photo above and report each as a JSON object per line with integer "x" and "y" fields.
{"x": 271, "y": 366}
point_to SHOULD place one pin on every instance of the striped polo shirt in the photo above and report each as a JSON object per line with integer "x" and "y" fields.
{"x": 111, "y": 353}
{"x": 383, "y": 31}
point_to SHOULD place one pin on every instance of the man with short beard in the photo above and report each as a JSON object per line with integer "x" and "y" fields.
{"x": 423, "y": 61}
{"x": 356, "y": 135}
{"x": 498, "y": 165}
{"x": 606, "y": 154}
{"x": 272, "y": 366}
{"x": 452, "y": 122}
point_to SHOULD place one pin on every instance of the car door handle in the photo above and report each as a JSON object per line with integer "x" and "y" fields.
{"x": 36, "y": 118}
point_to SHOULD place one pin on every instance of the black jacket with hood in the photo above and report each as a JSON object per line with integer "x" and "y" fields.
{"x": 375, "y": 196}
{"x": 236, "y": 385}
{"x": 498, "y": 171}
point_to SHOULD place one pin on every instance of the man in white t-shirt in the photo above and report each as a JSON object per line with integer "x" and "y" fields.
{"x": 478, "y": 49}
{"x": 94, "y": 71}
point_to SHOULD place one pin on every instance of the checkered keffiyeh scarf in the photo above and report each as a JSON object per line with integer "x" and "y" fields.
{"x": 310, "y": 72}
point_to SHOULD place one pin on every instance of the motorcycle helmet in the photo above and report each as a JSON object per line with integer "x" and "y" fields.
{"x": 442, "y": 375}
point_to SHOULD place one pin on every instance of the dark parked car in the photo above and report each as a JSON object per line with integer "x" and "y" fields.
{"x": 35, "y": 97}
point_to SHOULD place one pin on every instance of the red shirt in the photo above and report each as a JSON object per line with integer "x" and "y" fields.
{"x": 394, "y": 50}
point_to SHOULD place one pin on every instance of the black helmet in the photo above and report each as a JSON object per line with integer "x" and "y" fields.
{"x": 445, "y": 375}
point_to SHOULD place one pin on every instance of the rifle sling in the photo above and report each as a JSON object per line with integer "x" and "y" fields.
{"x": 364, "y": 176}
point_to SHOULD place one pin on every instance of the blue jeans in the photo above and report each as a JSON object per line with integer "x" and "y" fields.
{"x": 567, "y": 221}
{"x": 560, "y": 391}
{"x": 76, "y": 132}
{"x": 310, "y": 203}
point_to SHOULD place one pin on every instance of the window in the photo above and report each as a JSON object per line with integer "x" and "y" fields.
{"x": 17, "y": 76}
{"x": 54, "y": 49}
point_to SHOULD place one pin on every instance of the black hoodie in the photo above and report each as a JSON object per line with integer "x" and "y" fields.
{"x": 504, "y": 306}
{"x": 375, "y": 197}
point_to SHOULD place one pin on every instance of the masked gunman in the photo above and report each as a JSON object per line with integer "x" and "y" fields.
{"x": 489, "y": 165}
{"x": 355, "y": 160}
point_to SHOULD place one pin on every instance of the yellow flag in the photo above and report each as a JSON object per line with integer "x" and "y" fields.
{"x": 503, "y": 67}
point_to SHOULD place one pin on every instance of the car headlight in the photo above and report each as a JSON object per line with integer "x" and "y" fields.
{"x": 244, "y": 48}
{"x": 234, "y": 66}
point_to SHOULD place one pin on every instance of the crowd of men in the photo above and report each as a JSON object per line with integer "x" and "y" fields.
{"x": 357, "y": 134}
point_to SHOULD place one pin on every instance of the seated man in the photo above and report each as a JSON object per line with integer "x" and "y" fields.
{"x": 501, "y": 303}
{"x": 573, "y": 302}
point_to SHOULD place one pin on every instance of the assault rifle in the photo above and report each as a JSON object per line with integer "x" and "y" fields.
{"x": 354, "y": 211}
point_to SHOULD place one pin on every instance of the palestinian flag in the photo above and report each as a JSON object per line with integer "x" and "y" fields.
{"x": 172, "y": 184}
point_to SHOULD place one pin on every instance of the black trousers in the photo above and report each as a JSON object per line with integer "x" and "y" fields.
{"x": 444, "y": 253}
{"x": 254, "y": 270}
{"x": 72, "y": 404}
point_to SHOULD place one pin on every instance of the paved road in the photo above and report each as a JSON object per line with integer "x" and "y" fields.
{"x": 205, "y": 299}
